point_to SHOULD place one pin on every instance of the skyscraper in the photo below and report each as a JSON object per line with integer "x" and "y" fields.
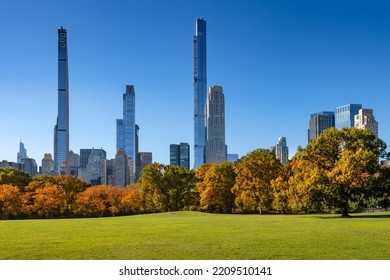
{"x": 365, "y": 120}
{"x": 179, "y": 155}
{"x": 22, "y": 154}
{"x": 319, "y": 122}
{"x": 96, "y": 167}
{"x": 121, "y": 169}
{"x": 61, "y": 129}
{"x": 126, "y": 128}
{"x": 281, "y": 150}
{"x": 216, "y": 149}
{"x": 345, "y": 115}
{"x": 200, "y": 92}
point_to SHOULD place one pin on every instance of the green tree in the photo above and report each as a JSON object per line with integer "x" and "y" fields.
{"x": 255, "y": 172}
{"x": 215, "y": 187}
{"x": 166, "y": 187}
{"x": 344, "y": 164}
{"x": 14, "y": 177}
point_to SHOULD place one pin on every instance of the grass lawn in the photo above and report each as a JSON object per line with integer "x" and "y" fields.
{"x": 193, "y": 235}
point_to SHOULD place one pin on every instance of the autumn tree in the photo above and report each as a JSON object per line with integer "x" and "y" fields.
{"x": 280, "y": 189}
{"x": 99, "y": 201}
{"x": 255, "y": 171}
{"x": 343, "y": 165}
{"x": 14, "y": 177}
{"x": 131, "y": 200}
{"x": 166, "y": 187}
{"x": 215, "y": 187}
{"x": 10, "y": 201}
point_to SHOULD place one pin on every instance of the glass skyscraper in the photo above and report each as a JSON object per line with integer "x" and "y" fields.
{"x": 179, "y": 155}
{"x": 61, "y": 129}
{"x": 125, "y": 128}
{"x": 200, "y": 93}
{"x": 345, "y": 115}
{"x": 319, "y": 122}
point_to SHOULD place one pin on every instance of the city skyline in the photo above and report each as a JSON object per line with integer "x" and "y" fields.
{"x": 283, "y": 63}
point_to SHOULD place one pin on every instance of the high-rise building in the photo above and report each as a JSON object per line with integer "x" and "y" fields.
{"x": 48, "y": 165}
{"x": 365, "y": 120}
{"x": 22, "y": 154}
{"x": 319, "y": 122}
{"x": 232, "y": 157}
{"x": 74, "y": 163}
{"x": 126, "y": 127}
{"x": 200, "y": 93}
{"x": 30, "y": 166}
{"x": 96, "y": 168}
{"x": 281, "y": 150}
{"x": 179, "y": 155}
{"x": 61, "y": 129}
{"x": 216, "y": 149}
{"x": 345, "y": 115}
{"x": 146, "y": 158}
{"x": 121, "y": 169}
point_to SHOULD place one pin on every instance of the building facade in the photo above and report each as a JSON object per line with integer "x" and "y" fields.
{"x": 345, "y": 115}
{"x": 121, "y": 170}
{"x": 365, "y": 120}
{"x": 200, "y": 92}
{"x": 319, "y": 122}
{"x": 281, "y": 150}
{"x": 48, "y": 166}
{"x": 61, "y": 129}
{"x": 96, "y": 168}
{"x": 126, "y": 127}
{"x": 216, "y": 149}
{"x": 179, "y": 155}
{"x": 22, "y": 154}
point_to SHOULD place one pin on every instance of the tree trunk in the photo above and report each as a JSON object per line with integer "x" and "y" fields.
{"x": 345, "y": 214}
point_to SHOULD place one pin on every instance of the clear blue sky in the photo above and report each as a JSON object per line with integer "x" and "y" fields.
{"x": 277, "y": 60}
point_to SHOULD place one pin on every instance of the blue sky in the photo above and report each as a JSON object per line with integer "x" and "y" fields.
{"x": 277, "y": 60}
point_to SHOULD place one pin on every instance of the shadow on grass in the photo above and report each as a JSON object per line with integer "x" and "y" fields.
{"x": 352, "y": 216}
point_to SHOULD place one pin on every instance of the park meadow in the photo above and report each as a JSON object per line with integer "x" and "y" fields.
{"x": 190, "y": 235}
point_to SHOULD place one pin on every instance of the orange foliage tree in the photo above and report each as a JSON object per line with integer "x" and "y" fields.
{"x": 99, "y": 201}
{"x": 10, "y": 202}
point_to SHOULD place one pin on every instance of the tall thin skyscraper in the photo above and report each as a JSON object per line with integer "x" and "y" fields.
{"x": 200, "y": 93}
{"x": 216, "y": 149}
{"x": 61, "y": 129}
{"x": 22, "y": 154}
{"x": 126, "y": 128}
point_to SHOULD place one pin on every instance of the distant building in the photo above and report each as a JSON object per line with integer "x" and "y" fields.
{"x": 179, "y": 155}
{"x": 146, "y": 158}
{"x": 281, "y": 150}
{"x": 345, "y": 115}
{"x": 319, "y": 122}
{"x": 232, "y": 157}
{"x": 110, "y": 172}
{"x": 74, "y": 163}
{"x": 48, "y": 165}
{"x": 30, "y": 166}
{"x": 200, "y": 92}
{"x": 121, "y": 170}
{"x": 61, "y": 129}
{"x": 126, "y": 128}
{"x": 96, "y": 168}
{"x": 9, "y": 164}
{"x": 365, "y": 120}
{"x": 22, "y": 154}
{"x": 216, "y": 149}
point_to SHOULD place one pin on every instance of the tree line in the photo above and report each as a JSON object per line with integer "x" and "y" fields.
{"x": 337, "y": 172}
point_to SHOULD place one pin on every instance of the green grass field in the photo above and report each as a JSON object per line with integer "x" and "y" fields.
{"x": 193, "y": 235}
